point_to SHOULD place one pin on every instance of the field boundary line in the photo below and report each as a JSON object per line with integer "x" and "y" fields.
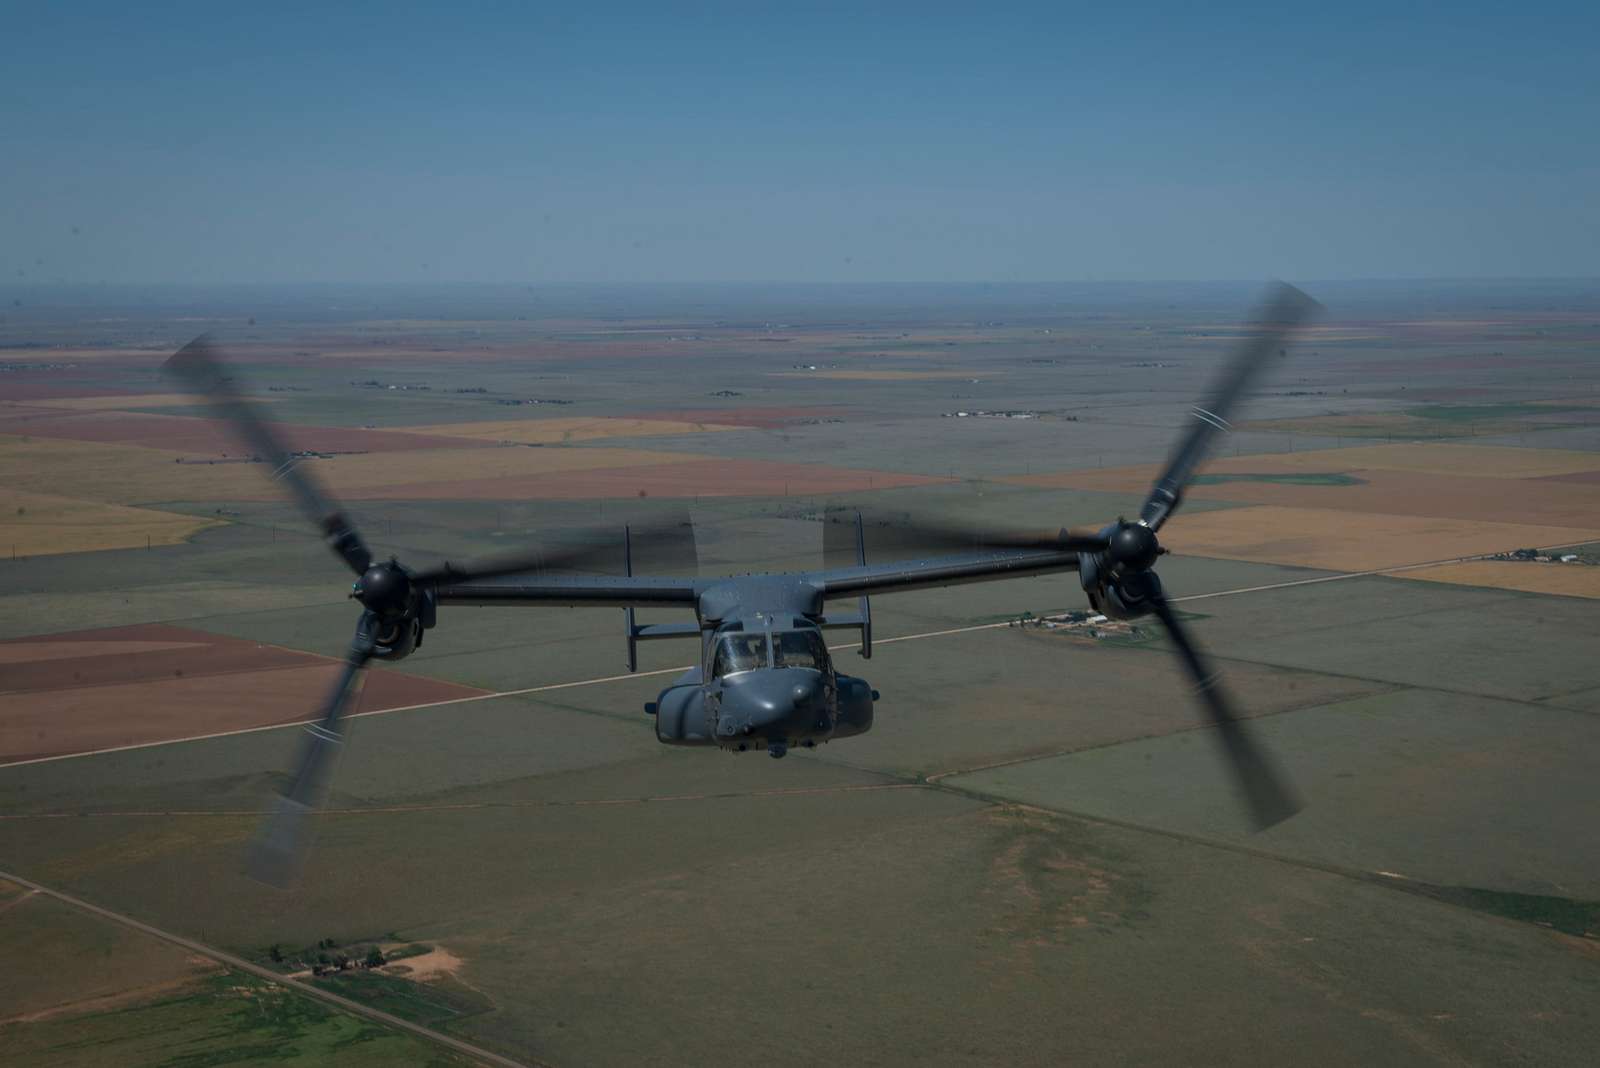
{"x": 474, "y": 806}
{"x": 348, "y": 716}
{"x": 260, "y": 972}
{"x": 551, "y": 687}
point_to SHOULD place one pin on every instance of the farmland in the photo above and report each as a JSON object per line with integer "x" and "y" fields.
{"x": 1035, "y": 849}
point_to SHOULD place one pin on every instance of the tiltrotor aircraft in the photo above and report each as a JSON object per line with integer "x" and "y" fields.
{"x": 765, "y": 680}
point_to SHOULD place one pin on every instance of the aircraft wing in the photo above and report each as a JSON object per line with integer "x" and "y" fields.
{"x": 577, "y": 591}
{"x": 638, "y": 591}
{"x": 930, "y": 572}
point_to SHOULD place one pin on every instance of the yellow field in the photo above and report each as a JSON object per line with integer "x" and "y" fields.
{"x": 1350, "y": 541}
{"x": 1572, "y": 580}
{"x": 36, "y": 524}
{"x": 562, "y": 431}
{"x": 105, "y": 472}
{"x": 128, "y": 474}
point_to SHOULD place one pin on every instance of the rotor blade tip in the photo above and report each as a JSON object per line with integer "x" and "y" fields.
{"x": 197, "y": 355}
{"x": 1281, "y": 809}
{"x": 278, "y": 853}
{"x": 1292, "y": 302}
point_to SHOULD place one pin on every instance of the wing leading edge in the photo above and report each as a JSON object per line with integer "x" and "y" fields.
{"x": 936, "y": 571}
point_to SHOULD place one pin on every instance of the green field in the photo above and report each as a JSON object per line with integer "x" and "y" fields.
{"x": 227, "y": 1019}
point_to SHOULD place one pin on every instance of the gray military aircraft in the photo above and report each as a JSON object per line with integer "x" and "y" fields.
{"x": 765, "y": 679}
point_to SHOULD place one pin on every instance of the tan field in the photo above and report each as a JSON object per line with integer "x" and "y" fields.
{"x": 1351, "y": 541}
{"x": 36, "y": 524}
{"x": 1569, "y": 580}
{"x": 562, "y": 431}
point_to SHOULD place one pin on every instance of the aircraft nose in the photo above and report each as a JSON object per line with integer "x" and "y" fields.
{"x": 778, "y": 701}
{"x": 789, "y": 700}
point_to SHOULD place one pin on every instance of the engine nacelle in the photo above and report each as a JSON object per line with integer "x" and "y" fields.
{"x": 682, "y": 717}
{"x": 1125, "y": 596}
{"x": 855, "y": 707}
{"x": 397, "y": 638}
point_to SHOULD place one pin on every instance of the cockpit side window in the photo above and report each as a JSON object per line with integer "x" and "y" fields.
{"x": 740, "y": 652}
{"x": 799, "y": 649}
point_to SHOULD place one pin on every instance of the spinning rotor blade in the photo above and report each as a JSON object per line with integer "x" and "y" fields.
{"x": 1286, "y": 310}
{"x": 903, "y": 536}
{"x": 279, "y": 850}
{"x": 202, "y": 370}
{"x": 839, "y": 537}
{"x": 1269, "y": 795}
{"x": 658, "y": 547}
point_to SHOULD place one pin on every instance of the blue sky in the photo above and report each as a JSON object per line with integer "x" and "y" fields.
{"x": 522, "y": 142}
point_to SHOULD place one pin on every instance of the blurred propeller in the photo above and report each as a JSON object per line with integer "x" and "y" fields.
{"x": 900, "y": 536}
{"x": 1284, "y": 312}
{"x": 663, "y": 545}
{"x": 397, "y": 601}
{"x": 1133, "y": 548}
{"x": 279, "y": 850}
{"x": 203, "y": 372}
{"x": 1267, "y": 792}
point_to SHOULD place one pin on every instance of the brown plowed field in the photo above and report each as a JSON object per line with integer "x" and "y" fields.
{"x": 154, "y": 682}
{"x": 1579, "y": 478}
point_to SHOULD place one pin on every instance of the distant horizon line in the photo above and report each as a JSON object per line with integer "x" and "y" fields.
{"x": 1340, "y": 280}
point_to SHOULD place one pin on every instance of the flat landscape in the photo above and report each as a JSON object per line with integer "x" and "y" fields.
{"x": 1035, "y": 857}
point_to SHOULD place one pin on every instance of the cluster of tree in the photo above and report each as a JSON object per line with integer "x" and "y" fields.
{"x": 326, "y": 957}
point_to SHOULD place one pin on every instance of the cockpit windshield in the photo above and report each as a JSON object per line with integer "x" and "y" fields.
{"x": 799, "y": 649}
{"x": 740, "y": 652}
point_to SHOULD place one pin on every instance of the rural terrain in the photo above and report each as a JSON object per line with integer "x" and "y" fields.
{"x": 1035, "y": 857}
